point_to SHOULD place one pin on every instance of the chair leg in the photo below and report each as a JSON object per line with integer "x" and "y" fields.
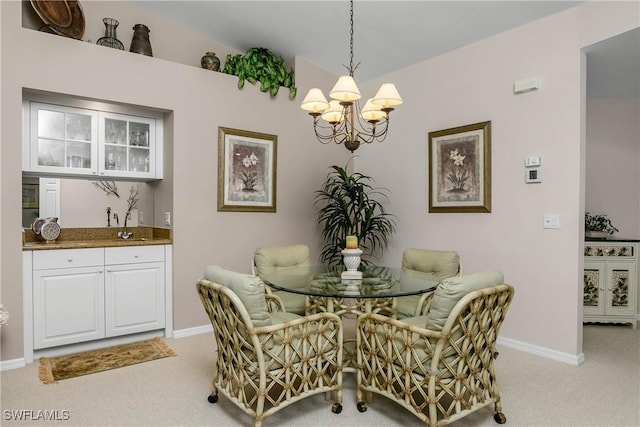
{"x": 499, "y": 416}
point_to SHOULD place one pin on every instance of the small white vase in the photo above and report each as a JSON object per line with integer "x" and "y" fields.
{"x": 351, "y": 259}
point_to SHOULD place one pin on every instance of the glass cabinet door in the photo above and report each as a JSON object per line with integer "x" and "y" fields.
{"x": 127, "y": 145}
{"x": 63, "y": 138}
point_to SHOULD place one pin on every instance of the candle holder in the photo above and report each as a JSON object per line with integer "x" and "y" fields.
{"x": 352, "y": 262}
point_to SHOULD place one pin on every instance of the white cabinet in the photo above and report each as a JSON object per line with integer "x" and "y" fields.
{"x": 134, "y": 289}
{"x": 69, "y": 141}
{"x": 62, "y": 139}
{"x": 88, "y": 294}
{"x": 68, "y": 296}
{"x": 127, "y": 146}
{"x": 610, "y": 282}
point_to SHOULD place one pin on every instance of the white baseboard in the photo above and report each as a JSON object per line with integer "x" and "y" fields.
{"x": 542, "y": 351}
{"x": 506, "y": 342}
{"x": 197, "y": 330}
{"x": 5, "y": 365}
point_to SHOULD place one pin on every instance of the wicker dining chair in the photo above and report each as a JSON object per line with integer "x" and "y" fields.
{"x": 265, "y": 360}
{"x": 435, "y": 265}
{"x": 440, "y": 366}
{"x": 269, "y": 259}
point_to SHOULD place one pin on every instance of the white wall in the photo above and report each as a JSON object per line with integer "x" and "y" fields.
{"x": 196, "y": 102}
{"x": 474, "y": 84}
{"x": 469, "y": 85}
{"x": 613, "y": 163}
{"x": 543, "y": 265}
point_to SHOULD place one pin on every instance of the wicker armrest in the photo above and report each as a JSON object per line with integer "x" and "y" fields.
{"x": 424, "y": 303}
{"x": 395, "y": 325}
{"x": 274, "y": 302}
{"x": 329, "y": 318}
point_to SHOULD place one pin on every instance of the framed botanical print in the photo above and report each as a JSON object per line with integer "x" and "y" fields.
{"x": 246, "y": 171}
{"x": 460, "y": 169}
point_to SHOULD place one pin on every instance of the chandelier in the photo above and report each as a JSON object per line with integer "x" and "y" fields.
{"x": 349, "y": 124}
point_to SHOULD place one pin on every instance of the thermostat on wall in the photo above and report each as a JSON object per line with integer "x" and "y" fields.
{"x": 533, "y": 175}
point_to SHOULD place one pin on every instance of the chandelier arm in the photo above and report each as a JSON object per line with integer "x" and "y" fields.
{"x": 371, "y": 132}
{"x": 334, "y": 133}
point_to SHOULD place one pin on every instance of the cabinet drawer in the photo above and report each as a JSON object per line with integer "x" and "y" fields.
{"x": 623, "y": 251}
{"x": 134, "y": 254}
{"x": 66, "y": 258}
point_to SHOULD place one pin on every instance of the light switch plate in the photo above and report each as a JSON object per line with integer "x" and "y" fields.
{"x": 551, "y": 221}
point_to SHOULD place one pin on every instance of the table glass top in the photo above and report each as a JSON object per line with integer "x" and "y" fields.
{"x": 324, "y": 281}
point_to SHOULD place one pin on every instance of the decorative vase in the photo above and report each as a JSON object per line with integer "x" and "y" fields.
{"x": 140, "y": 42}
{"x": 109, "y": 38}
{"x": 210, "y": 61}
{"x": 352, "y": 262}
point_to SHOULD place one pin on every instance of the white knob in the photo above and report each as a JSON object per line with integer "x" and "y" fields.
{"x": 99, "y": 270}
{"x": 108, "y": 270}
{"x": 135, "y": 255}
{"x": 70, "y": 259}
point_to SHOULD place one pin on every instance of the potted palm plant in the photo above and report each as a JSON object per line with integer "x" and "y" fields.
{"x": 350, "y": 206}
{"x": 598, "y": 226}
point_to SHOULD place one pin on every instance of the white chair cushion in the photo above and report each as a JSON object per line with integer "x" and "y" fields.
{"x": 247, "y": 287}
{"x": 452, "y": 289}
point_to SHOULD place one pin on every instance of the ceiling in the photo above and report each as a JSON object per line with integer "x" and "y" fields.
{"x": 388, "y": 35}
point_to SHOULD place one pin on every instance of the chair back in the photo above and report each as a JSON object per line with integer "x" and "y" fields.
{"x": 248, "y": 289}
{"x": 269, "y": 259}
{"x": 440, "y": 264}
{"x": 452, "y": 290}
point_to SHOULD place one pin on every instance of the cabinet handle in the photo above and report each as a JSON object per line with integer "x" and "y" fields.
{"x": 100, "y": 270}
{"x": 135, "y": 255}
{"x": 69, "y": 259}
{"x": 94, "y": 172}
{"x": 108, "y": 270}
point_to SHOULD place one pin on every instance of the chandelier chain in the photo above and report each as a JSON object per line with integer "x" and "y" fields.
{"x": 351, "y": 69}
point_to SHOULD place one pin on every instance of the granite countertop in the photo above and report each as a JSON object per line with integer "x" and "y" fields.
{"x": 76, "y": 238}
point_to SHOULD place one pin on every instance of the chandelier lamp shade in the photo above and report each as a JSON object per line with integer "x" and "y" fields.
{"x": 346, "y": 122}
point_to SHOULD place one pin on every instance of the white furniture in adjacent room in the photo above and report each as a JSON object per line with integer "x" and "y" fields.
{"x": 610, "y": 282}
{"x": 87, "y": 295}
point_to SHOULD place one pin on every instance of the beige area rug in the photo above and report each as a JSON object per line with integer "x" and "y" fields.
{"x": 58, "y": 368}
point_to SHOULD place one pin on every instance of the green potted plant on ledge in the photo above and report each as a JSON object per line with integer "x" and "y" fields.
{"x": 261, "y": 65}
{"x": 349, "y": 208}
{"x": 598, "y": 226}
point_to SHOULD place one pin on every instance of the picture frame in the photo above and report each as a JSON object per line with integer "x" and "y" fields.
{"x": 30, "y": 196}
{"x": 246, "y": 171}
{"x": 460, "y": 169}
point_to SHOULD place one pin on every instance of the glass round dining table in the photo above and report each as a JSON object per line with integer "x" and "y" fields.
{"x": 328, "y": 291}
